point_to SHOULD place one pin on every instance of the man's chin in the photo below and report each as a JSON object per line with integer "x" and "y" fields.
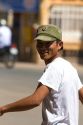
{"x": 45, "y": 59}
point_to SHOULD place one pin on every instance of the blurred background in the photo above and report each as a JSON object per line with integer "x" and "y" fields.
{"x": 24, "y": 16}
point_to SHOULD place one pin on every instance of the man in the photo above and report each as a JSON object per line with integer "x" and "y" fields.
{"x": 58, "y": 88}
{"x": 5, "y": 36}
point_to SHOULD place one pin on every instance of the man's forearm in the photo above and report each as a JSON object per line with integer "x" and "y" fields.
{"x": 21, "y": 105}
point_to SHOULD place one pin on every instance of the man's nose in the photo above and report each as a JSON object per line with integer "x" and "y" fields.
{"x": 43, "y": 47}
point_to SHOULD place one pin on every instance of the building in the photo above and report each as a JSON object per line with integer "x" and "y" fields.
{"x": 68, "y": 15}
{"x": 23, "y": 15}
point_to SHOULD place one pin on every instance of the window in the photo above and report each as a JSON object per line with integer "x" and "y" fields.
{"x": 69, "y": 19}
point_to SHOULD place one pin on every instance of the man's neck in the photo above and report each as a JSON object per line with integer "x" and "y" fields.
{"x": 51, "y": 59}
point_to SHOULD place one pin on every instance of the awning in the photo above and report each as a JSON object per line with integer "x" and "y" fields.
{"x": 20, "y": 5}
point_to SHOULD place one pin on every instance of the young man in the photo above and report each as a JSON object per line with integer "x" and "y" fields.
{"x": 5, "y": 36}
{"x": 59, "y": 88}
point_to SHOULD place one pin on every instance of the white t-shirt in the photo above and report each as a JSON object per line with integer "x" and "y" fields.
{"x": 61, "y": 106}
{"x": 5, "y": 36}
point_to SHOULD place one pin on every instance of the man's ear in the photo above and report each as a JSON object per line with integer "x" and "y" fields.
{"x": 60, "y": 45}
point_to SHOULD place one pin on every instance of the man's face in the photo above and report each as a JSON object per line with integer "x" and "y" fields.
{"x": 47, "y": 50}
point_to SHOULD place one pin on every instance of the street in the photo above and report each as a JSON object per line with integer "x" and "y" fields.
{"x": 20, "y": 82}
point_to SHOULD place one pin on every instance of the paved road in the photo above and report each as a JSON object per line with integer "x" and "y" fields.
{"x": 20, "y": 82}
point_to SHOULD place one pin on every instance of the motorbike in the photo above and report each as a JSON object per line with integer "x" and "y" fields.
{"x": 9, "y": 58}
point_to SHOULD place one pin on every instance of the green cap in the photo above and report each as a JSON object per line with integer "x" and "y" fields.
{"x": 48, "y": 33}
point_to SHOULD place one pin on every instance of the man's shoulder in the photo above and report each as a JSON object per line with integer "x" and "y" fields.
{"x": 59, "y": 61}
{"x": 61, "y": 64}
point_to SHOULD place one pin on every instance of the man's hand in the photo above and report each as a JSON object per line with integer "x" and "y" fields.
{"x": 1, "y": 111}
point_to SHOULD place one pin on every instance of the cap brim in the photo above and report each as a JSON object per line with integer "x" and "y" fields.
{"x": 45, "y": 38}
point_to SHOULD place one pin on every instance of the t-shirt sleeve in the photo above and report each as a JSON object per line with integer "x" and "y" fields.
{"x": 51, "y": 78}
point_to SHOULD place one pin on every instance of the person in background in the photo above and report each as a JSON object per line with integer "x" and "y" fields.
{"x": 5, "y": 36}
{"x": 59, "y": 87}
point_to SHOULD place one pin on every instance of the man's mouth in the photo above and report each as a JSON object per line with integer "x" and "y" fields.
{"x": 44, "y": 53}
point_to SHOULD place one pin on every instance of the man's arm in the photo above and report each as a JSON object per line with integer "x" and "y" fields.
{"x": 27, "y": 103}
{"x": 81, "y": 95}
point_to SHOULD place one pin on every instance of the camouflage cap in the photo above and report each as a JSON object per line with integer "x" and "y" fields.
{"x": 48, "y": 33}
